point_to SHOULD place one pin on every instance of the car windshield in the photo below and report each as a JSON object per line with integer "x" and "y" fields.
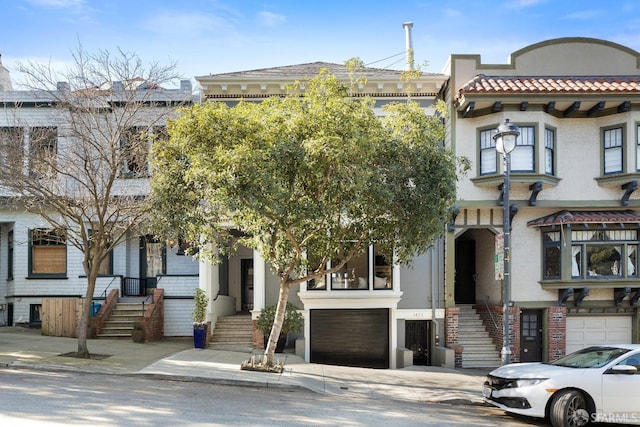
{"x": 590, "y": 357}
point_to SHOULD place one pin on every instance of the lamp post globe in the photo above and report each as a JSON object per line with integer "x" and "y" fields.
{"x": 505, "y": 138}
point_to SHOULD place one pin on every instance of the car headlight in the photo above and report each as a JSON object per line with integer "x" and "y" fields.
{"x": 528, "y": 382}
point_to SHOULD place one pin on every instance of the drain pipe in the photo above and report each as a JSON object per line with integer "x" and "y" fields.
{"x": 435, "y": 284}
{"x": 409, "y": 45}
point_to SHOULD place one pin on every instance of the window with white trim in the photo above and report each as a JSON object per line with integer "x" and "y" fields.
{"x": 612, "y": 142}
{"x": 523, "y": 156}
{"x": 488, "y": 156}
{"x": 134, "y": 146}
{"x": 11, "y": 146}
{"x": 43, "y": 151}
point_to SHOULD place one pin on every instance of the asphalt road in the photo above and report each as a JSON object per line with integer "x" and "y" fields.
{"x": 39, "y": 398}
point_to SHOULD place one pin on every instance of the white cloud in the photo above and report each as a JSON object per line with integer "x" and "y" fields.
{"x": 270, "y": 19}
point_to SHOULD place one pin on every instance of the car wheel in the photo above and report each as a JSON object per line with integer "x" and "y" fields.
{"x": 569, "y": 409}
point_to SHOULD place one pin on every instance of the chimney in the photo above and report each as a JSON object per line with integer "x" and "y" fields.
{"x": 409, "y": 46}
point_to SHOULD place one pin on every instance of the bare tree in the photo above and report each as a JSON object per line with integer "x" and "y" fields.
{"x": 81, "y": 164}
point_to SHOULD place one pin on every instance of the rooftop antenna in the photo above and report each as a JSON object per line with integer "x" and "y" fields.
{"x": 409, "y": 45}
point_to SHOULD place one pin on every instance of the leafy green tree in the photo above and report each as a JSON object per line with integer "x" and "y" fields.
{"x": 313, "y": 176}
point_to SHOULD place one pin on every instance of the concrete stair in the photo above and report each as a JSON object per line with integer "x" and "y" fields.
{"x": 123, "y": 316}
{"x": 233, "y": 333}
{"x": 479, "y": 350}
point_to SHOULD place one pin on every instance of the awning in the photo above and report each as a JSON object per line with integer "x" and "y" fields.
{"x": 587, "y": 217}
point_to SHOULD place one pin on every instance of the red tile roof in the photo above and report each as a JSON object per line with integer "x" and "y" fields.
{"x": 482, "y": 84}
{"x": 587, "y": 217}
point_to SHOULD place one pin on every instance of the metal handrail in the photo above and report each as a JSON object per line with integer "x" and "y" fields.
{"x": 486, "y": 304}
{"x": 103, "y": 295}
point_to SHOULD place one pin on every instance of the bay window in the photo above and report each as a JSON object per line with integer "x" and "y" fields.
{"x": 603, "y": 254}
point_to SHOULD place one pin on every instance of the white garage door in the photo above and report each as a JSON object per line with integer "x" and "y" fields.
{"x": 583, "y": 331}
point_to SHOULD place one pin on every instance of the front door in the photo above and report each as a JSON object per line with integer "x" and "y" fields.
{"x": 531, "y": 336}
{"x": 152, "y": 261}
{"x": 465, "y": 283}
{"x": 417, "y": 340}
{"x": 246, "y": 282}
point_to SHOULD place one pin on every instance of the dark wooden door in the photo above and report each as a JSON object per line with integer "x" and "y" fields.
{"x": 246, "y": 283}
{"x": 531, "y": 336}
{"x": 465, "y": 283}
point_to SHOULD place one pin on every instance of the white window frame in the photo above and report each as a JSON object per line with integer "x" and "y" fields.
{"x": 523, "y": 157}
{"x": 488, "y": 157}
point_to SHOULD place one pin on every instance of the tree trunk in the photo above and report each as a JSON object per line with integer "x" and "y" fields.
{"x": 83, "y": 350}
{"x": 281, "y": 308}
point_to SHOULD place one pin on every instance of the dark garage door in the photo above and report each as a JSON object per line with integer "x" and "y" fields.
{"x": 353, "y": 337}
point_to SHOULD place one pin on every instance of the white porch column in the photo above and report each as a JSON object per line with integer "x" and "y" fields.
{"x": 259, "y": 281}
{"x": 209, "y": 282}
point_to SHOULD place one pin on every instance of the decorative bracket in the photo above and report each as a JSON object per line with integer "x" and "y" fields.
{"x": 622, "y": 294}
{"x": 629, "y": 188}
{"x": 577, "y": 300}
{"x": 562, "y": 301}
{"x": 513, "y": 210}
{"x": 501, "y": 195}
{"x": 535, "y": 188}
{"x": 634, "y": 299}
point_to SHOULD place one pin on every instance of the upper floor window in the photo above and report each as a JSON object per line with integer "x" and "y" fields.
{"x": 523, "y": 156}
{"x": 11, "y": 148}
{"x": 549, "y": 151}
{"x": 638, "y": 147}
{"x": 612, "y": 142}
{"x": 47, "y": 252}
{"x": 134, "y": 146}
{"x": 43, "y": 150}
{"x": 488, "y": 155}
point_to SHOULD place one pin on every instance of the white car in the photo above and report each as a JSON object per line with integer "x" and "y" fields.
{"x": 595, "y": 384}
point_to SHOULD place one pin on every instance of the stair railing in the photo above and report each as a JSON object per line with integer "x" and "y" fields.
{"x": 104, "y": 293}
{"x": 493, "y": 320}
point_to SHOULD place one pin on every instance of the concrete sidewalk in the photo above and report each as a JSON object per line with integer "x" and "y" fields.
{"x": 177, "y": 359}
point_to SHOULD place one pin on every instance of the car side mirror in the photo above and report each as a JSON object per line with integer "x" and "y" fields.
{"x": 623, "y": 370}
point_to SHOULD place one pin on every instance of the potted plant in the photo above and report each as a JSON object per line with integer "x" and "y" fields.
{"x": 200, "y": 303}
{"x": 293, "y": 322}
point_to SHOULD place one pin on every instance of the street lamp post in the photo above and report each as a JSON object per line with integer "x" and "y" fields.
{"x": 505, "y": 138}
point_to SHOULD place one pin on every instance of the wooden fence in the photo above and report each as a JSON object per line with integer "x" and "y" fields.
{"x": 61, "y": 316}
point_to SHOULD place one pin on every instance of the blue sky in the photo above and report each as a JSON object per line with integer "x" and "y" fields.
{"x": 218, "y": 36}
